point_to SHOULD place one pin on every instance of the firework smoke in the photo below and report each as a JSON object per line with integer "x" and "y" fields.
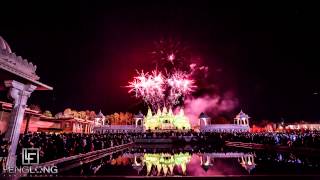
{"x": 211, "y": 104}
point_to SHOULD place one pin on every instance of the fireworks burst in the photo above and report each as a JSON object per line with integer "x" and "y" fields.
{"x": 149, "y": 87}
{"x": 170, "y": 54}
{"x": 180, "y": 86}
{"x": 158, "y": 90}
{"x": 173, "y": 80}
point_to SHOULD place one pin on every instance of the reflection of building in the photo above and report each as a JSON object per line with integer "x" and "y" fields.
{"x": 166, "y": 120}
{"x": 241, "y": 123}
{"x": 162, "y": 163}
{"x": 245, "y": 160}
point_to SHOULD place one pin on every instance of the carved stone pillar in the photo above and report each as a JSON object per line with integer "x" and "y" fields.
{"x": 19, "y": 93}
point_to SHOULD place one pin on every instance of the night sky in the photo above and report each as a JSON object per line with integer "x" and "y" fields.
{"x": 266, "y": 54}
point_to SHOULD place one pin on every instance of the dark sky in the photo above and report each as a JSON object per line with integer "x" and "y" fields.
{"x": 265, "y": 53}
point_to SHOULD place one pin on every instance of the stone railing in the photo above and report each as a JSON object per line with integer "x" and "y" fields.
{"x": 68, "y": 163}
{"x": 224, "y": 128}
{"x": 117, "y": 128}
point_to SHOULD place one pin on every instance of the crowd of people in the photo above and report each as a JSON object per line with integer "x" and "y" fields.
{"x": 53, "y": 146}
{"x": 310, "y": 139}
{"x": 3, "y": 146}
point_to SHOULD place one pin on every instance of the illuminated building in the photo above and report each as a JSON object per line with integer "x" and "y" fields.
{"x": 241, "y": 124}
{"x": 242, "y": 119}
{"x": 303, "y": 125}
{"x": 34, "y": 121}
{"x": 166, "y": 120}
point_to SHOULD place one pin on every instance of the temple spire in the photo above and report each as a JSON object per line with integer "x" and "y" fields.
{"x": 164, "y": 110}
{"x": 181, "y": 112}
{"x": 149, "y": 114}
{"x": 170, "y": 111}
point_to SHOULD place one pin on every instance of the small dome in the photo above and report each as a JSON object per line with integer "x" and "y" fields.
{"x": 4, "y": 45}
{"x": 203, "y": 116}
{"x": 139, "y": 115}
{"x": 242, "y": 115}
{"x": 100, "y": 115}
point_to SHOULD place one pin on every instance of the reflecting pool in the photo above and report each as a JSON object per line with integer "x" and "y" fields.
{"x": 196, "y": 161}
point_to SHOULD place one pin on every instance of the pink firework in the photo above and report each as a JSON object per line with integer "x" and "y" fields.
{"x": 157, "y": 90}
{"x": 149, "y": 87}
{"x": 180, "y": 86}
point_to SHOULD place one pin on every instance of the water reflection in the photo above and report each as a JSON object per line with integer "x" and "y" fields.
{"x": 187, "y": 161}
{"x": 246, "y": 160}
{"x": 173, "y": 164}
{"x": 159, "y": 164}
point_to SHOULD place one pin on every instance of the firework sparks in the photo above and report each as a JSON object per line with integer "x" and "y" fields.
{"x": 156, "y": 89}
{"x": 174, "y": 79}
{"x": 170, "y": 54}
{"x": 180, "y": 86}
{"x": 149, "y": 87}
{"x": 171, "y": 58}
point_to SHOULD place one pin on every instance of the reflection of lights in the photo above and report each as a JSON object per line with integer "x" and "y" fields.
{"x": 164, "y": 162}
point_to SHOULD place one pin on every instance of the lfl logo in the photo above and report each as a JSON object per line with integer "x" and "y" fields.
{"x": 30, "y": 156}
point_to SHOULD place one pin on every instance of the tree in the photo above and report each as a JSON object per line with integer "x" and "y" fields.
{"x": 47, "y": 113}
{"x": 108, "y": 119}
{"x": 116, "y": 118}
{"x": 92, "y": 115}
{"x": 82, "y": 115}
{"x": 59, "y": 115}
{"x": 35, "y": 107}
{"x": 74, "y": 114}
{"x": 67, "y": 112}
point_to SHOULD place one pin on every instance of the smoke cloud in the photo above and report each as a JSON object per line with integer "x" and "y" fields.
{"x": 209, "y": 104}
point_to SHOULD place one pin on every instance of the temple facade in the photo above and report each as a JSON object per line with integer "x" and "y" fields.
{"x": 166, "y": 120}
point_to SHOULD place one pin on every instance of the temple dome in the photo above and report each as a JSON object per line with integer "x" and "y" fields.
{"x": 242, "y": 115}
{"x": 203, "y": 116}
{"x": 100, "y": 115}
{"x": 4, "y": 45}
{"x": 138, "y": 116}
